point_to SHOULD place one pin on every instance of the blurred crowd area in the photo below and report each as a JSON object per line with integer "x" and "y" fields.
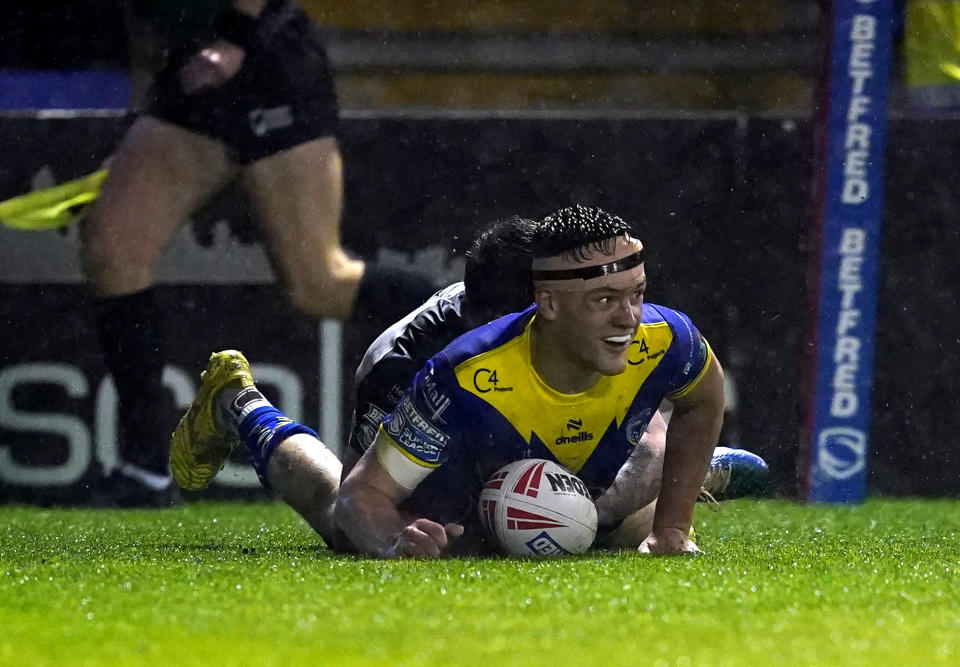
{"x": 748, "y": 55}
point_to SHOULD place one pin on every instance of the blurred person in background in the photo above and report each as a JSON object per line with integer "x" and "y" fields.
{"x": 245, "y": 92}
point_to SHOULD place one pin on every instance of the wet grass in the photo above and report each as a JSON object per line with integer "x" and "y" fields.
{"x": 218, "y": 583}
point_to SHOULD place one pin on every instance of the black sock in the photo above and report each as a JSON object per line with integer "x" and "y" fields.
{"x": 387, "y": 293}
{"x": 129, "y": 329}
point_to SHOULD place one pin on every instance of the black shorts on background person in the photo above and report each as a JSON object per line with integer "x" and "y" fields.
{"x": 245, "y": 94}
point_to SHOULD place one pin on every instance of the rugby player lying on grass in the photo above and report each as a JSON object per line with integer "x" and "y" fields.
{"x": 588, "y": 350}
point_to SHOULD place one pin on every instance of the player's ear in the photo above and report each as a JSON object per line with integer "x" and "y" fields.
{"x": 546, "y": 304}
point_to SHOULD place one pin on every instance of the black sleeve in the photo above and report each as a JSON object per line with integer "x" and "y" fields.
{"x": 377, "y": 395}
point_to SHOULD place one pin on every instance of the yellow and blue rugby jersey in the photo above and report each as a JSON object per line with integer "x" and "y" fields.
{"x": 479, "y": 404}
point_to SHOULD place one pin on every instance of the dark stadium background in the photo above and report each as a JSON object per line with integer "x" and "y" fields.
{"x": 695, "y": 123}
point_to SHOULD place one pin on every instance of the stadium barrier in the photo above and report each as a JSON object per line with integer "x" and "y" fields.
{"x": 722, "y": 202}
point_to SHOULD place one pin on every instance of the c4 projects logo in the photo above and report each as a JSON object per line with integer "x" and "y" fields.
{"x": 486, "y": 380}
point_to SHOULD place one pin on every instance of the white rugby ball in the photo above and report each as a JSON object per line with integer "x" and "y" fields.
{"x": 537, "y": 508}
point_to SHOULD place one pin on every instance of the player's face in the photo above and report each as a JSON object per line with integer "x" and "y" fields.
{"x": 596, "y": 320}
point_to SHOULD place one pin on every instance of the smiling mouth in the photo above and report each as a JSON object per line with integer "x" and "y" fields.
{"x": 618, "y": 341}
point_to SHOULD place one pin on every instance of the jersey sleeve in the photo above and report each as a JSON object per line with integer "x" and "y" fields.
{"x": 378, "y": 394}
{"x": 693, "y": 355}
{"x": 416, "y": 437}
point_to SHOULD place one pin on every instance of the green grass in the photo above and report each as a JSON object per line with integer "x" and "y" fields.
{"x": 778, "y": 584}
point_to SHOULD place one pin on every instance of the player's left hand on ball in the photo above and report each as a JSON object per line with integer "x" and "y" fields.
{"x": 211, "y": 67}
{"x": 669, "y": 542}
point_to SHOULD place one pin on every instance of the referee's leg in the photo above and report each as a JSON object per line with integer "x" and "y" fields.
{"x": 159, "y": 175}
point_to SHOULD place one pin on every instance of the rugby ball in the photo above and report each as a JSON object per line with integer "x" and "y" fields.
{"x": 537, "y": 508}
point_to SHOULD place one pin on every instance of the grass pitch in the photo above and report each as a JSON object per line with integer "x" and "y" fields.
{"x": 778, "y": 584}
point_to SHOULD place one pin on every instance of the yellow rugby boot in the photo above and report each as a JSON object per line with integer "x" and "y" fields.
{"x": 199, "y": 446}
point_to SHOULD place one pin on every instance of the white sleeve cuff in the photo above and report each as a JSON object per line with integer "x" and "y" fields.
{"x": 402, "y": 468}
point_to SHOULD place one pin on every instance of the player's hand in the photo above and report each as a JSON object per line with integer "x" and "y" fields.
{"x": 424, "y": 539}
{"x": 211, "y": 67}
{"x": 668, "y": 542}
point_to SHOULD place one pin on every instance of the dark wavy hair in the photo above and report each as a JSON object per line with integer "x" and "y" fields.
{"x": 497, "y": 276}
{"x": 577, "y": 232}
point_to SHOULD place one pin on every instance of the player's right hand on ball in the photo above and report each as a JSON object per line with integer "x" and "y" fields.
{"x": 424, "y": 539}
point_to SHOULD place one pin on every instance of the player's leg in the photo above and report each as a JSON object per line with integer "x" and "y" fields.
{"x": 158, "y": 176}
{"x": 287, "y": 456}
{"x": 306, "y": 476}
{"x": 297, "y": 196}
{"x": 285, "y": 136}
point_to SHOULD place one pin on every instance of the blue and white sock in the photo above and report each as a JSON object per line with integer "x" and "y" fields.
{"x": 261, "y": 427}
